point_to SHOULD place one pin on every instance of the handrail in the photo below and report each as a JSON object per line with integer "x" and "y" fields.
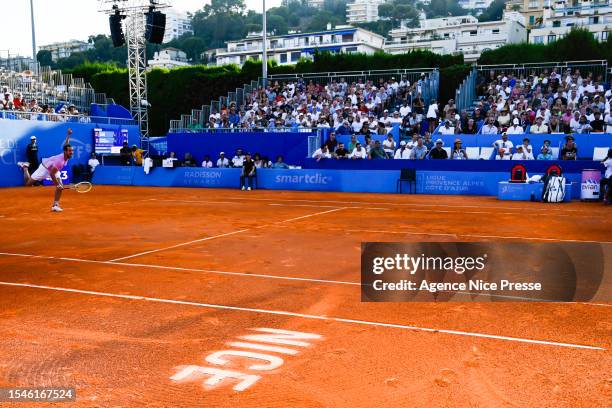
{"x": 59, "y": 117}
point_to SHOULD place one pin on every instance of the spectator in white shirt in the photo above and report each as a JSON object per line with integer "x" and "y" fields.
{"x": 358, "y": 152}
{"x": 222, "y": 162}
{"x": 389, "y": 146}
{"x": 403, "y": 152}
{"x": 447, "y": 129}
{"x": 515, "y": 129}
{"x": 539, "y": 127}
{"x": 207, "y": 163}
{"x": 521, "y": 154}
{"x": 395, "y": 119}
{"x": 504, "y": 145}
{"x": 527, "y": 148}
{"x": 490, "y": 128}
{"x": 322, "y": 153}
{"x": 238, "y": 159}
{"x": 404, "y": 110}
{"x": 93, "y": 162}
{"x": 458, "y": 152}
{"x": 432, "y": 115}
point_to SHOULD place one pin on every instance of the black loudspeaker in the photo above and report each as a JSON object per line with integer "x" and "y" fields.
{"x": 156, "y": 27}
{"x": 116, "y": 30}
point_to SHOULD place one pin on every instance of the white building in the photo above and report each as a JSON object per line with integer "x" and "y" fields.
{"x": 362, "y": 11}
{"x": 561, "y": 16}
{"x": 315, "y": 3}
{"x": 177, "y": 24}
{"x": 453, "y": 35}
{"x": 477, "y": 6}
{"x": 168, "y": 58}
{"x": 65, "y": 49}
{"x": 288, "y": 49}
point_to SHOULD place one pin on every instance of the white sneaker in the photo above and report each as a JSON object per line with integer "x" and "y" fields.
{"x": 249, "y": 188}
{"x": 23, "y": 164}
{"x": 56, "y": 208}
{"x": 243, "y": 188}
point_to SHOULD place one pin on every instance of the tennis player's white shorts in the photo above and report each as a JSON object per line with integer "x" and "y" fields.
{"x": 41, "y": 173}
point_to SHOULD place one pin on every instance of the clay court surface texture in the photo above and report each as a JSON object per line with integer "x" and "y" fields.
{"x": 130, "y": 294}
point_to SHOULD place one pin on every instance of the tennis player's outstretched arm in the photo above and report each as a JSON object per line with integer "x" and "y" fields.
{"x": 68, "y": 133}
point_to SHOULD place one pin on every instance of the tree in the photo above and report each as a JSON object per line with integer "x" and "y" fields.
{"x": 399, "y": 10}
{"x": 444, "y": 8}
{"x": 494, "y": 12}
{"x": 44, "y": 58}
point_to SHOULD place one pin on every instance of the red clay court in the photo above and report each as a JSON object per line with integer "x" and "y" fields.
{"x": 129, "y": 292}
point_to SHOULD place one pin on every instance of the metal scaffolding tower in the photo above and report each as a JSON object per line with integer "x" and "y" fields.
{"x": 134, "y": 29}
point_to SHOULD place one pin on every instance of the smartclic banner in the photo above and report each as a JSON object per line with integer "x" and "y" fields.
{"x": 486, "y": 272}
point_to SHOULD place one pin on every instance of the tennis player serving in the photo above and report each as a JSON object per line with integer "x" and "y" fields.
{"x": 50, "y": 167}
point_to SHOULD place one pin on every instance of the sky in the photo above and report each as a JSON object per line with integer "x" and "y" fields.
{"x": 62, "y": 20}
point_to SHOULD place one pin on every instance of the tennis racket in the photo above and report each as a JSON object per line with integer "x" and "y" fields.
{"x": 82, "y": 187}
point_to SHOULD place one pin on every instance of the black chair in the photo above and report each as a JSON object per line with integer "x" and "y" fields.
{"x": 407, "y": 175}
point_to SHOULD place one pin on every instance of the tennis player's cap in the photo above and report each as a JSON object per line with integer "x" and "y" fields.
{"x": 32, "y": 137}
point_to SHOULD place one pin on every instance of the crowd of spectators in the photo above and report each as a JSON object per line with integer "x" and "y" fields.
{"x": 16, "y": 106}
{"x": 222, "y": 161}
{"x": 346, "y": 107}
{"x": 549, "y": 102}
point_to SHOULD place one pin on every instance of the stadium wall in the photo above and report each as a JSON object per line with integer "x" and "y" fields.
{"x": 15, "y": 136}
{"x": 453, "y": 181}
{"x": 293, "y": 146}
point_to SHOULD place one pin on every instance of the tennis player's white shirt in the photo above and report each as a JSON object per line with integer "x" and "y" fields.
{"x": 58, "y": 161}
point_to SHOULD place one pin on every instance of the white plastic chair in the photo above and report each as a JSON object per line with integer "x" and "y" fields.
{"x": 473, "y": 153}
{"x": 555, "y": 152}
{"x": 486, "y": 153}
{"x": 600, "y": 153}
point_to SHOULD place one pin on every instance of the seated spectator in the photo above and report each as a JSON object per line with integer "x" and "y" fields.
{"x": 222, "y": 162}
{"x": 280, "y": 163}
{"x": 189, "y": 160}
{"x": 583, "y": 125}
{"x": 505, "y": 145}
{"x": 515, "y": 129}
{"x": 458, "y": 153}
{"x": 259, "y": 162}
{"x": 447, "y": 129}
{"x": 358, "y": 152}
{"x": 175, "y": 161}
{"x": 527, "y": 148}
{"x": 238, "y": 159}
{"x": 377, "y": 152}
{"x": 438, "y": 152}
{"x": 539, "y": 127}
{"x": 502, "y": 154}
{"x": 321, "y": 153}
{"x": 554, "y": 125}
{"x": 545, "y": 153}
{"x": 597, "y": 124}
{"x": 125, "y": 155}
{"x": 389, "y": 146}
{"x": 427, "y": 142}
{"x": 341, "y": 152}
{"x": 207, "y": 163}
{"x": 419, "y": 151}
{"x": 331, "y": 142}
{"x": 471, "y": 128}
{"x": 490, "y": 128}
{"x": 248, "y": 173}
{"x": 521, "y": 154}
{"x": 403, "y": 152}
{"x": 353, "y": 143}
{"x": 569, "y": 150}
{"x": 345, "y": 128}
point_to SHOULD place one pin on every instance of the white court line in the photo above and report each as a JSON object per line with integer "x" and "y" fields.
{"x": 178, "y": 268}
{"x": 219, "y": 236}
{"x": 274, "y": 204}
{"x": 255, "y": 275}
{"x": 401, "y": 204}
{"x": 309, "y": 215}
{"x": 328, "y": 206}
{"x": 304, "y": 316}
{"x": 440, "y": 234}
{"x": 179, "y": 245}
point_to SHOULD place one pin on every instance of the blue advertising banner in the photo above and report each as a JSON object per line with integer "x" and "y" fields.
{"x": 15, "y": 136}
